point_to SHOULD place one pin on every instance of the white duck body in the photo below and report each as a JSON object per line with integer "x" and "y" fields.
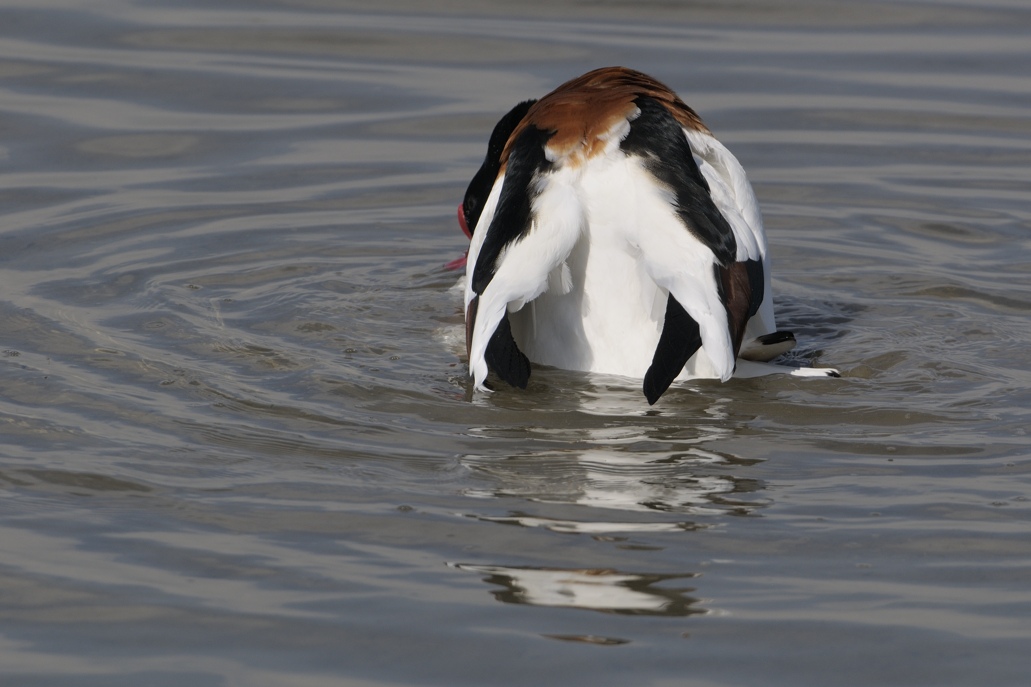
{"x": 610, "y": 318}
{"x": 612, "y": 231}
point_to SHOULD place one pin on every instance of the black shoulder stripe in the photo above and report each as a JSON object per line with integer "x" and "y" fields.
{"x": 479, "y": 188}
{"x": 512, "y": 218}
{"x": 680, "y": 339}
{"x": 658, "y": 137}
{"x": 504, "y": 357}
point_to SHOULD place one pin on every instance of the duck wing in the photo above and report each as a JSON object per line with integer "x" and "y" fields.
{"x": 532, "y": 220}
{"x": 716, "y": 282}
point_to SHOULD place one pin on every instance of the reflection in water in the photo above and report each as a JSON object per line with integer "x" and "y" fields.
{"x": 586, "y": 527}
{"x": 626, "y": 491}
{"x": 619, "y": 467}
{"x": 672, "y": 482}
{"x": 590, "y": 639}
{"x": 608, "y": 591}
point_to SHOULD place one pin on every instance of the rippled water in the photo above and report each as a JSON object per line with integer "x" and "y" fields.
{"x": 237, "y": 442}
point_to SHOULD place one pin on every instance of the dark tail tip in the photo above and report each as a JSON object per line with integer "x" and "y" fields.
{"x": 653, "y": 389}
{"x": 504, "y": 357}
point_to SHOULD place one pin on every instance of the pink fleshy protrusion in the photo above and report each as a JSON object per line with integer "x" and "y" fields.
{"x": 457, "y": 263}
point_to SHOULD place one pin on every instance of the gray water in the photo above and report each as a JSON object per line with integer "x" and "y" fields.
{"x": 237, "y": 443}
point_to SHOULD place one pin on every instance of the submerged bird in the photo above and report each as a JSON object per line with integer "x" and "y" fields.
{"x": 611, "y": 232}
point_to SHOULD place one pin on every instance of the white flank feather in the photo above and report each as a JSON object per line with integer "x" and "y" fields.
{"x": 733, "y": 195}
{"x": 524, "y": 266}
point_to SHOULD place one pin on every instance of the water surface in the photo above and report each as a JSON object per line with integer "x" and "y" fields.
{"x": 237, "y": 443}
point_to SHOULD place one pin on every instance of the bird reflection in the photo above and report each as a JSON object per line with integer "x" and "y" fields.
{"x": 606, "y": 465}
{"x": 619, "y": 490}
{"x": 608, "y": 591}
{"x": 601, "y": 466}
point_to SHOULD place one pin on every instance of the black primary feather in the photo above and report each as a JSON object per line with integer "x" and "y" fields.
{"x": 680, "y": 339}
{"x": 504, "y": 357}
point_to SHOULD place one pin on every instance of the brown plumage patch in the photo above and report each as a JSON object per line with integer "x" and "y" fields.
{"x": 580, "y": 112}
{"x": 736, "y": 289}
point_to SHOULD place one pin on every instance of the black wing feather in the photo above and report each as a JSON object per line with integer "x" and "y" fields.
{"x": 504, "y": 357}
{"x": 658, "y": 139}
{"x": 511, "y": 222}
{"x": 680, "y": 339}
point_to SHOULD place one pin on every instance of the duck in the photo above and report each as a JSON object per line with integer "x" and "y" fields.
{"x": 611, "y": 232}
